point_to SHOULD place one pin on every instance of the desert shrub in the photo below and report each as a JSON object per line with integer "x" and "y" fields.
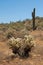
{"x": 9, "y": 35}
{"x": 20, "y": 46}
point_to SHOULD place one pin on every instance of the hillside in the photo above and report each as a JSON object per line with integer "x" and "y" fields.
{"x": 19, "y": 29}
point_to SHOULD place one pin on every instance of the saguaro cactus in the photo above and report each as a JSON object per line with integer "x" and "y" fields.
{"x": 33, "y": 17}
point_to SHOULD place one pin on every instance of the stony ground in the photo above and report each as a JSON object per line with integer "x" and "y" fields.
{"x": 35, "y": 58}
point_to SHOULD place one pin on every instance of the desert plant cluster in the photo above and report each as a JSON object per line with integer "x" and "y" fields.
{"x": 20, "y": 46}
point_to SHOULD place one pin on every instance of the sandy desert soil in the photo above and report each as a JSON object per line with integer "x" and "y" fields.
{"x": 35, "y": 58}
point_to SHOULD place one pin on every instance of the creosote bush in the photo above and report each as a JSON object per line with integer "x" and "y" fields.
{"x": 20, "y": 46}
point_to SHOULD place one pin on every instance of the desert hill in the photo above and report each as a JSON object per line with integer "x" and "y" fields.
{"x": 19, "y": 29}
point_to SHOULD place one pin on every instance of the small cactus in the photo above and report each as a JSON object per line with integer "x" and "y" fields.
{"x": 21, "y": 46}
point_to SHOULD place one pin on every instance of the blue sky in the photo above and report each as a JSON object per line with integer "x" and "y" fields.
{"x": 14, "y": 10}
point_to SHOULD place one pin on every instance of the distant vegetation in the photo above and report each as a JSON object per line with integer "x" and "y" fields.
{"x": 19, "y": 28}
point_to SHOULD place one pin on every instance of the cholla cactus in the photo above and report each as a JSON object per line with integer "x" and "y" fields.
{"x": 22, "y": 46}
{"x": 14, "y": 44}
{"x": 29, "y": 37}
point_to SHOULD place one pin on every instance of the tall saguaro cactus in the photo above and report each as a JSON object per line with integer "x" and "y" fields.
{"x": 33, "y": 17}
